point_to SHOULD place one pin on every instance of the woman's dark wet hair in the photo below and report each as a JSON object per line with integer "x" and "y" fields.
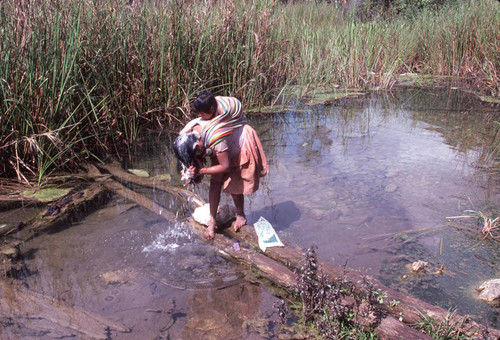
{"x": 204, "y": 102}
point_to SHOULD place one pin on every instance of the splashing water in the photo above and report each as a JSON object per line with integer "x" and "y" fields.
{"x": 171, "y": 239}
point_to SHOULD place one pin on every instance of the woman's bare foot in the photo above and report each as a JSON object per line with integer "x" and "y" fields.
{"x": 241, "y": 220}
{"x": 210, "y": 231}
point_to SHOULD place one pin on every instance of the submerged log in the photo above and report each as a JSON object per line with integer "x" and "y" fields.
{"x": 21, "y": 303}
{"x": 121, "y": 175}
{"x": 145, "y": 202}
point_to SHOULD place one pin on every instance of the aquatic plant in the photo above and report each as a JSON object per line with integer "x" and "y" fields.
{"x": 489, "y": 226}
{"x": 321, "y": 303}
{"x": 324, "y": 314}
{"x": 282, "y": 309}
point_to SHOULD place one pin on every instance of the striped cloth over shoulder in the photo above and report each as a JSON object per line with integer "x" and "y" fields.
{"x": 224, "y": 124}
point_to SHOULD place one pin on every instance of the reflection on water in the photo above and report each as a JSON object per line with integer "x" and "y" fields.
{"x": 223, "y": 313}
{"x": 382, "y": 165}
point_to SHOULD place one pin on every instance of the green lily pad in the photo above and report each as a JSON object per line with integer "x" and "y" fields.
{"x": 138, "y": 172}
{"x": 46, "y": 195}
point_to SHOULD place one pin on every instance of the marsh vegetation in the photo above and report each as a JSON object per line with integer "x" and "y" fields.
{"x": 82, "y": 80}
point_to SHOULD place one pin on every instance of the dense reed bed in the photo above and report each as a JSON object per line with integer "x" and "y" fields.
{"x": 81, "y": 79}
{"x": 461, "y": 40}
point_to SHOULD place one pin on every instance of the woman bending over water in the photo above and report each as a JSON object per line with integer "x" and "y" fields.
{"x": 236, "y": 154}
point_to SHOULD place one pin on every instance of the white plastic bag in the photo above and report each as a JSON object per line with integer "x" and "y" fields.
{"x": 266, "y": 234}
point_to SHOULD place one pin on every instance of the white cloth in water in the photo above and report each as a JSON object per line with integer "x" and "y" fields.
{"x": 186, "y": 176}
{"x": 224, "y": 214}
{"x": 266, "y": 234}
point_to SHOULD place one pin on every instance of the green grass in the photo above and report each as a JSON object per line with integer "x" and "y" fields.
{"x": 451, "y": 328}
{"x": 80, "y": 80}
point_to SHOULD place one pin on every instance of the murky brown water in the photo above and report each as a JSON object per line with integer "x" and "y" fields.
{"x": 342, "y": 177}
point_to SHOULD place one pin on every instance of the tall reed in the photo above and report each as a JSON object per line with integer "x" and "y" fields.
{"x": 89, "y": 74}
{"x": 81, "y": 79}
{"x": 335, "y": 47}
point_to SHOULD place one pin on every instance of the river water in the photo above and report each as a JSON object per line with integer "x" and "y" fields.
{"x": 370, "y": 181}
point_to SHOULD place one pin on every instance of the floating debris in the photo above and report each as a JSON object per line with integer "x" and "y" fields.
{"x": 139, "y": 173}
{"x": 490, "y": 291}
{"x": 419, "y": 266}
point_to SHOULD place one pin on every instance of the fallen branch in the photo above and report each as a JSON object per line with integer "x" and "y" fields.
{"x": 66, "y": 210}
{"x": 145, "y": 202}
{"x": 121, "y": 175}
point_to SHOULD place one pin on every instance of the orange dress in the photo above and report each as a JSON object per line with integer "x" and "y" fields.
{"x": 247, "y": 166}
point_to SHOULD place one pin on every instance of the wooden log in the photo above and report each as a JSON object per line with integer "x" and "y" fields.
{"x": 269, "y": 268}
{"x": 121, "y": 175}
{"x": 392, "y": 329}
{"x": 19, "y": 302}
{"x": 64, "y": 211}
{"x": 409, "y": 309}
{"x": 284, "y": 277}
{"x": 145, "y": 202}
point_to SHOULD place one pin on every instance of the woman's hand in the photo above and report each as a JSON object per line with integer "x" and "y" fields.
{"x": 192, "y": 171}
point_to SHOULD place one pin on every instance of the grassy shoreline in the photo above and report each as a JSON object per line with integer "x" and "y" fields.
{"x": 79, "y": 80}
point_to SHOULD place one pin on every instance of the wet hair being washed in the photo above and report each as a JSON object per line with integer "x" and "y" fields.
{"x": 204, "y": 102}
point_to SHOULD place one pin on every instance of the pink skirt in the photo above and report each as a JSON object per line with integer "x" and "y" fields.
{"x": 245, "y": 172}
